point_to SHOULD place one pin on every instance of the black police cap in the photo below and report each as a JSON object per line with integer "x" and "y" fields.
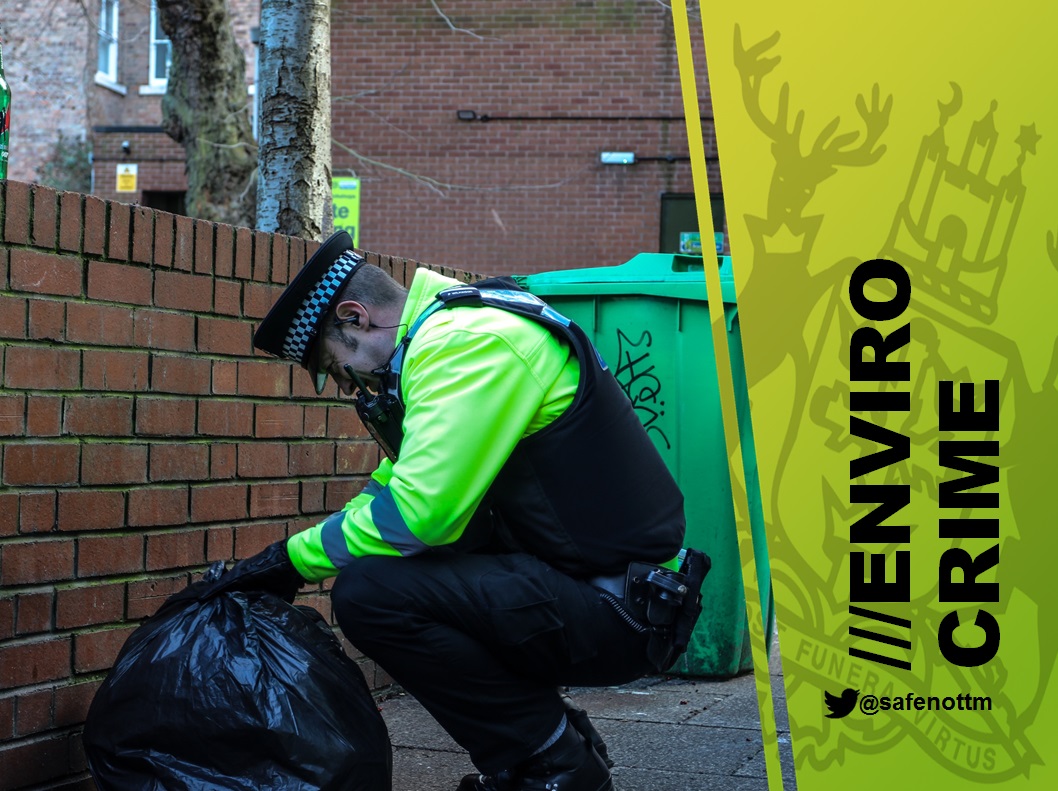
{"x": 291, "y": 326}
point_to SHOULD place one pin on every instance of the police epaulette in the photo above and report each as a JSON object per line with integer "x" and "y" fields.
{"x": 466, "y": 294}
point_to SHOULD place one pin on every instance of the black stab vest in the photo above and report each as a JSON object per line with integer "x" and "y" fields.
{"x": 589, "y": 492}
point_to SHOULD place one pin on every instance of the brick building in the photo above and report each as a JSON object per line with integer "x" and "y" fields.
{"x": 476, "y": 127}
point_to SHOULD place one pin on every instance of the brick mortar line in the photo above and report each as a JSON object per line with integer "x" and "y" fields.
{"x": 56, "y": 536}
{"x": 65, "y": 731}
{"x": 194, "y": 483}
{"x": 192, "y": 439}
{"x": 105, "y": 257}
{"x": 143, "y": 439}
{"x": 43, "y": 686}
{"x": 39, "y": 343}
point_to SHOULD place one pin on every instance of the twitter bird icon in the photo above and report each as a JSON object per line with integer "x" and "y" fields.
{"x": 841, "y": 706}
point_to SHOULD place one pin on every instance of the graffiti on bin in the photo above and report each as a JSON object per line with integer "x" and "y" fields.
{"x": 643, "y": 388}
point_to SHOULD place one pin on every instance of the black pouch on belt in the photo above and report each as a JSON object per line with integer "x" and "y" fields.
{"x": 668, "y": 602}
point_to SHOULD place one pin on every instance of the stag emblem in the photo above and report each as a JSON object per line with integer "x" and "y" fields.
{"x": 798, "y": 173}
{"x": 780, "y": 285}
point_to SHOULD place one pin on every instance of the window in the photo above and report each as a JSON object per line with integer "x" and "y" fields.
{"x": 172, "y": 202}
{"x": 679, "y": 225}
{"x": 161, "y": 51}
{"x": 107, "y": 60}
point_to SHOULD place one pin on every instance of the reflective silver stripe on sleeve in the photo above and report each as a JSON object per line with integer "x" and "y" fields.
{"x": 333, "y": 538}
{"x": 391, "y": 525}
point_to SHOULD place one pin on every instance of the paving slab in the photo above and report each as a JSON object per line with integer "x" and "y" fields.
{"x": 755, "y": 767}
{"x": 411, "y": 726}
{"x": 659, "y": 703}
{"x": 426, "y": 770}
{"x": 648, "y": 745}
{"x": 664, "y": 734}
{"x": 654, "y": 780}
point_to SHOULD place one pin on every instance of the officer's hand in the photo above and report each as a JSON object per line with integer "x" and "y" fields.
{"x": 269, "y": 570}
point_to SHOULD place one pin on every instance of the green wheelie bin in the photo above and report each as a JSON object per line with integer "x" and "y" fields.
{"x": 649, "y": 319}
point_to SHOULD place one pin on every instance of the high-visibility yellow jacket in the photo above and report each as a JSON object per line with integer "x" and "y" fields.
{"x": 474, "y": 383}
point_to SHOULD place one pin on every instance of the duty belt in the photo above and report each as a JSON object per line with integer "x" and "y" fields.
{"x": 614, "y": 584}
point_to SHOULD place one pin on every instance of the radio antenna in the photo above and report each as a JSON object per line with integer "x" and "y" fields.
{"x": 363, "y": 388}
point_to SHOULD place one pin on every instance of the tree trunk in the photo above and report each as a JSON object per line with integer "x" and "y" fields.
{"x": 294, "y": 164}
{"x": 206, "y": 109}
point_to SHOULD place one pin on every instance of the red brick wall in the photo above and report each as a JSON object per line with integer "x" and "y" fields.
{"x": 504, "y": 196}
{"x": 141, "y": 438}
{"x": 517, "y": 196}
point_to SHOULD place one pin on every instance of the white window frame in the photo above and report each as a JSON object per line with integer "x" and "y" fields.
{"x": 152, "y": 80}
{"x": 108, "y": 38}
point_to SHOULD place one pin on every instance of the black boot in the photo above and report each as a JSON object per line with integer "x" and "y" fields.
{"x": 570, "y": 764}
{"x": 578, "y": 718}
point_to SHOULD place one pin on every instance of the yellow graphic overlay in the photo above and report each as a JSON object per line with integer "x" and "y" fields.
{"x": 718, "y": 325}
{"x": 889, "y": 184}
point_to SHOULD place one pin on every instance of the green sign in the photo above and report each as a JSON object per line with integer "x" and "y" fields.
{"x": 345, "y": 194}
{"x": 690, "y": 243}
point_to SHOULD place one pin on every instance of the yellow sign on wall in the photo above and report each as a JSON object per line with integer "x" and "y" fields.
{"x": 127, "y": 177}
{"x": 345, "y": 194}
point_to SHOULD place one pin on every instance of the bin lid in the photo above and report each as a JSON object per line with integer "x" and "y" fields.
{"x": 655, "y": 274}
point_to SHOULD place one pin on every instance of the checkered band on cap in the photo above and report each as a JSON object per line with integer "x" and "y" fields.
{"x": 306, "y": 322}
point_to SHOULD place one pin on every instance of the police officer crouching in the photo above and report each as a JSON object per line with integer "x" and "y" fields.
{"x": 522, "y": 532}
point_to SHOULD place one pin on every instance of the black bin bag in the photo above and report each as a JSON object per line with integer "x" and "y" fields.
{"x": 235, "y": 692}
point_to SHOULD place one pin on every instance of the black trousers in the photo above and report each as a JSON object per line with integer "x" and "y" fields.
{"x": 483, "y": 642}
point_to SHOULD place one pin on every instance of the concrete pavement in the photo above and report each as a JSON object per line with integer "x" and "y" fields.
{"x": 663, "y": 733}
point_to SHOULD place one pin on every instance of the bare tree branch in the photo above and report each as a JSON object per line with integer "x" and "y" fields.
{"x": 691, "y": 12}
{"x": 374, "y": 91}
{"x": 354, "y": 96}
{"x": 385, "y": 121}
{"x": 448, "y": 22}
{"x": 251, "y": 184}
{"x": 241, "y": 144}
{"x": 441, "y": 186}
